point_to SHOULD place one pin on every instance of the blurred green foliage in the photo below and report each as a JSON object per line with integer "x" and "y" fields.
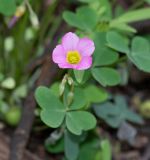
{"x": 21, "y": 42}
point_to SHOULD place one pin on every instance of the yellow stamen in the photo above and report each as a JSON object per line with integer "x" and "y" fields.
{"x": 73, "y": 57}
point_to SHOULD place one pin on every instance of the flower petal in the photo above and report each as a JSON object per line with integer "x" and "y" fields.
{"x": 86, "y": 47}
{"x": 58, "y": 54}
{"x": 65, "y": 65}
{"x": 70, "y": 41}
{"x": 85, "y": 63}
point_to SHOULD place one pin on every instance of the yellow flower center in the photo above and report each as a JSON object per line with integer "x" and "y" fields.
{"x": 73, "y": 57}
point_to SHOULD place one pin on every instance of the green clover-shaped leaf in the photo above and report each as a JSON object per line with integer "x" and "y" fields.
{"x": 117, "y": 42}
{"x": 106, "y": 76}
{"x": 7, "y": 7}
{"x": 85, "y": 18}
{"x": 116, "y": 113}
{"x": 95, "y": 94}
{"x": 103, "y": 55}
{"x": 140, "y": 53}
{"x": 79, "y": 99}
{"x": 80, "y": 121}
{"x": 53, "y": 111}
{"x": 71, "y": 145}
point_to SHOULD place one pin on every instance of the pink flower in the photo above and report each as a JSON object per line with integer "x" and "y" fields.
{"x": 74, "y": 52}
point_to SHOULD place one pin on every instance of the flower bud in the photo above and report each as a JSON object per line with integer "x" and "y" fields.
{"x": 70, "y": 98}
{"x": 34, "y": 20}
{"x": 20, "y": 11}
{"x": 62, "y": 85}
{"x": 70, "y": 81}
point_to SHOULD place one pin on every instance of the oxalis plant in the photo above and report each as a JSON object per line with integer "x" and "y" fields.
{"x": 98, "y": 54}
